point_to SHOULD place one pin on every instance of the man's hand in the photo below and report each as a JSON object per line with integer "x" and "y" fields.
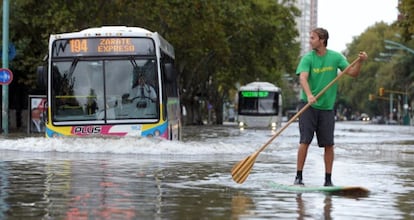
{"x": 363, "y": 56}
{"x": 311, "y": 99}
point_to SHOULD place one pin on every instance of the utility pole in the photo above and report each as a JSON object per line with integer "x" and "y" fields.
{"x": 5, "y": 65}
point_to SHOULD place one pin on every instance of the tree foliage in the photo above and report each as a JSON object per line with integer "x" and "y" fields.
{"x": 387, "y": 67}
{"x": 406, "y": 18}
{"x": 217, "y": 43}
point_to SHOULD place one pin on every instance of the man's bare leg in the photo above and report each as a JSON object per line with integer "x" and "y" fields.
{"x": 300, "y": 163}
{"x": 328, "y": 158}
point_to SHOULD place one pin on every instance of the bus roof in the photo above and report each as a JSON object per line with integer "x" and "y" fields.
{"x": 262, "y": 86}
{"x": 115, "y": 29}
{"x": 119, "y": 31}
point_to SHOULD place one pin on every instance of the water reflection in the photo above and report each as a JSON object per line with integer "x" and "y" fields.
{"x": 97, "y": 193}
{"x": 241, "y": 205}
{"x": 303, "y": 211}
{"x": 4, "y": 185}
{"x": 86, "y": 190}
{"x": 327, "y": 209}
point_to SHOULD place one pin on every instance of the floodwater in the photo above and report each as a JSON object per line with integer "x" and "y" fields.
{"x": 109, "y": 178}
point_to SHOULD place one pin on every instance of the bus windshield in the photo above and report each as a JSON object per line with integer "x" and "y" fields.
{"x": 103, "y": 89}
{"x": 258, "y": 103}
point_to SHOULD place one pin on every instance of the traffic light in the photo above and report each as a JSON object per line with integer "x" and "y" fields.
{"x": 381, "y": 91}
{"x": 370, "y": 97}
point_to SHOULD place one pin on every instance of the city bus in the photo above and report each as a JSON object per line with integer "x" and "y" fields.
{"x": 259, "y": 106}
{"x": 93, "y": 77}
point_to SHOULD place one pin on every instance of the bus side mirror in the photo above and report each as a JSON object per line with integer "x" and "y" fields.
{"x": 41, "y": 77}
{"x": 169, "y": 72}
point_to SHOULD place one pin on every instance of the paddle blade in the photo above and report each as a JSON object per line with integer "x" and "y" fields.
{"x": 242, "y": 169}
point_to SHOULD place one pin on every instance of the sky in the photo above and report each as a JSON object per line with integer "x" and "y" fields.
{"x": 345, "y": 19}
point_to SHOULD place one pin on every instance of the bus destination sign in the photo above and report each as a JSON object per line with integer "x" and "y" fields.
{"x": 102, "y": 46}
{"x": 255, "y": 94}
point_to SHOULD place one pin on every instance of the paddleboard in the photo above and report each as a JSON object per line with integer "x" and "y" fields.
{"x": 354, "y": 191}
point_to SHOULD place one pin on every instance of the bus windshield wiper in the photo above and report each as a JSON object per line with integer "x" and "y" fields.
{"x": 133, "y": 62}
{"x": 72, "y": 67}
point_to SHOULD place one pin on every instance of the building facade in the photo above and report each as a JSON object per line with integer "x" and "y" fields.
{"x": 306, "y": 22}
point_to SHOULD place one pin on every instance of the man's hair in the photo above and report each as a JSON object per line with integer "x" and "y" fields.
{"x": 322, "y": 34}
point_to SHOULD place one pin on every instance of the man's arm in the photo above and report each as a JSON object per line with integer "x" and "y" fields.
{"x": 303, "y": 80}
{"x": 355, "y": 69}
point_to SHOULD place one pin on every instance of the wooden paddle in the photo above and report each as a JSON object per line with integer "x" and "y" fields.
{"x": 241, "y": 170}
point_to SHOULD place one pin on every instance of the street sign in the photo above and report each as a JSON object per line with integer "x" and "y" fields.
{"x": 6, "y": 76}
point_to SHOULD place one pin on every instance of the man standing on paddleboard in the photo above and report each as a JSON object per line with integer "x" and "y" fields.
{"x": 316, "y": 70}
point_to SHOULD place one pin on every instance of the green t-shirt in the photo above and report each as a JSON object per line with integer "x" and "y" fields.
{"x": 322, "y": 70}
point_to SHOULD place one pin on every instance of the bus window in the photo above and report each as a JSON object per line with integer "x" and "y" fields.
{"x": 77, "y": 86}
{"x": 135, "y": 94}
{"x": 268, "y": 105}
{"x": 259, "y": 105}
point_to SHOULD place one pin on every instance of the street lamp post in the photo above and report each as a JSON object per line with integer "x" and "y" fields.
{"x": 397, "y": 46}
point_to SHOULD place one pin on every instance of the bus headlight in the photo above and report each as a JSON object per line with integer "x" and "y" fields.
{"x": 273, "y": 125}
{"x": 241, "y": 125}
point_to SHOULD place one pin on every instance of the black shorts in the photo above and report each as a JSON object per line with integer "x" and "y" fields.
{"x": 321, "y": 122}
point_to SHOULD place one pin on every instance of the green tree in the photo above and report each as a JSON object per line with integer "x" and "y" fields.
{"x": 406, "y": 18}
{"x": 217, "y": 43}
{"x": 354, "y": 92}
{"x": 388, "y": 68}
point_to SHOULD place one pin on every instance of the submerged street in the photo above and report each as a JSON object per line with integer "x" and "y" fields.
{"x": 111, "y": 178}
